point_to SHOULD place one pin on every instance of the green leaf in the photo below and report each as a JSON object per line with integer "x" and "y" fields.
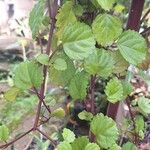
{"x": 106, "y": 4}
{"x": 78, "y": 10}
{"x": 36, "y": 17}
{"x": 68, "y": 135}
{"x": 59, "y": 113}
{"x": 92, "y": 146}
{"x": 80, "y": 143}
{"x": 139, "y": 124}
{"x": 121, "y": 65}
{"x": 84, "y": 115}
{"x": 64, "y": 146}
{"x": 100, "y": 63}
{"x": 115, "y": 147}
{"x": 4, "y": 133}
{"x": 27, "y": 75}
{"x": 43, "y": 59}
{"x": 11, "y": 94}
{"x": 60, "y": 64}
{"x": 78, "y": 41}
{"x": 106, "y": 29}
{"x": 129, "y": 146}
{"x": 144, "y": 105}
{"x": 64, "y": 17}
{"x": 78, "y": 86}
{"x": 127, "y": 88}
{"x": 105, "y": 130}
{"x": 114, "y": 90}
{"x": 132, "y": 47}
{"x": 62, "y": 77}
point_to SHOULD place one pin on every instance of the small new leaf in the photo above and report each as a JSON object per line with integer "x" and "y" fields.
{"x": 105, "y": 130}
{"x": 59, "y": 113}
{"x": 106, "y": 29}
{"x": 4, "y": 133}
{"x": 84, "y": 115}
{"x": 114, "y": 90}
{"x": 61, "y": 77}
{"x": 60, "y": 64}
{"x": 132, "y": 47}
{"x": 78, "y": 41}
{"x": 68, "y": 135}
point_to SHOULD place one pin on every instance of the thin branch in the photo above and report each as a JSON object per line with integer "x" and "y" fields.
{"x": 146, "y": 14}
{"x": 132, "y": 117}
{"x": 145, "y": 32}
{"x": 92, "y": 89}
{"x": 47, "y": 137}
{"x": 20, "y": 137}
{"x": 41, "y": 99}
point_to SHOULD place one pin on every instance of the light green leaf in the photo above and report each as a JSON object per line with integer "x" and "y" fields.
{"x": 121, "y": 65}
{"x": 78, "y": 86}
{"x": 36, "y": 17}
{"x": 114, "y": 90}
{"x": 119, "y": 8}
{"x": 60, "y": 64}
{"x": 61, "y": 77}
{"x": 132, "y": 47}
{"x": 139, "y": 124}
{"x": 64, "y": 146}
{"x": 106, "y": 29}
{"x": 68, "y": 135}
{"x": 92, "y": 146}
{"x": 80, "y": 143}
{"x": 129, "y": 146}
{"x": 115, "y": 147}
{"x": 43, "y": 59}
{"x": 59, "y": 113}
{"x": 100, "y": 63}
{"x": 64, "y": 17}
{"x": 144, "y": 105}
{"x": 78, "y": 10}
{"x": 4, "y": 133}
{"x": 127, "y": 88}
{"x": 106, "y": 4}
{"x": 27, "y": 75}
{"x": 11, "y": 94}
{"x": 105, "y": 130}
{"x": 84, "y": 115}
{"x": 78, "y": 41}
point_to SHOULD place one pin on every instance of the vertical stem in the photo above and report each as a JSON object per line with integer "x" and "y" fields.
{"x": 92, "y": 90}
{"x": 135, "y": 14}
{"x": 52, "y": 14}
